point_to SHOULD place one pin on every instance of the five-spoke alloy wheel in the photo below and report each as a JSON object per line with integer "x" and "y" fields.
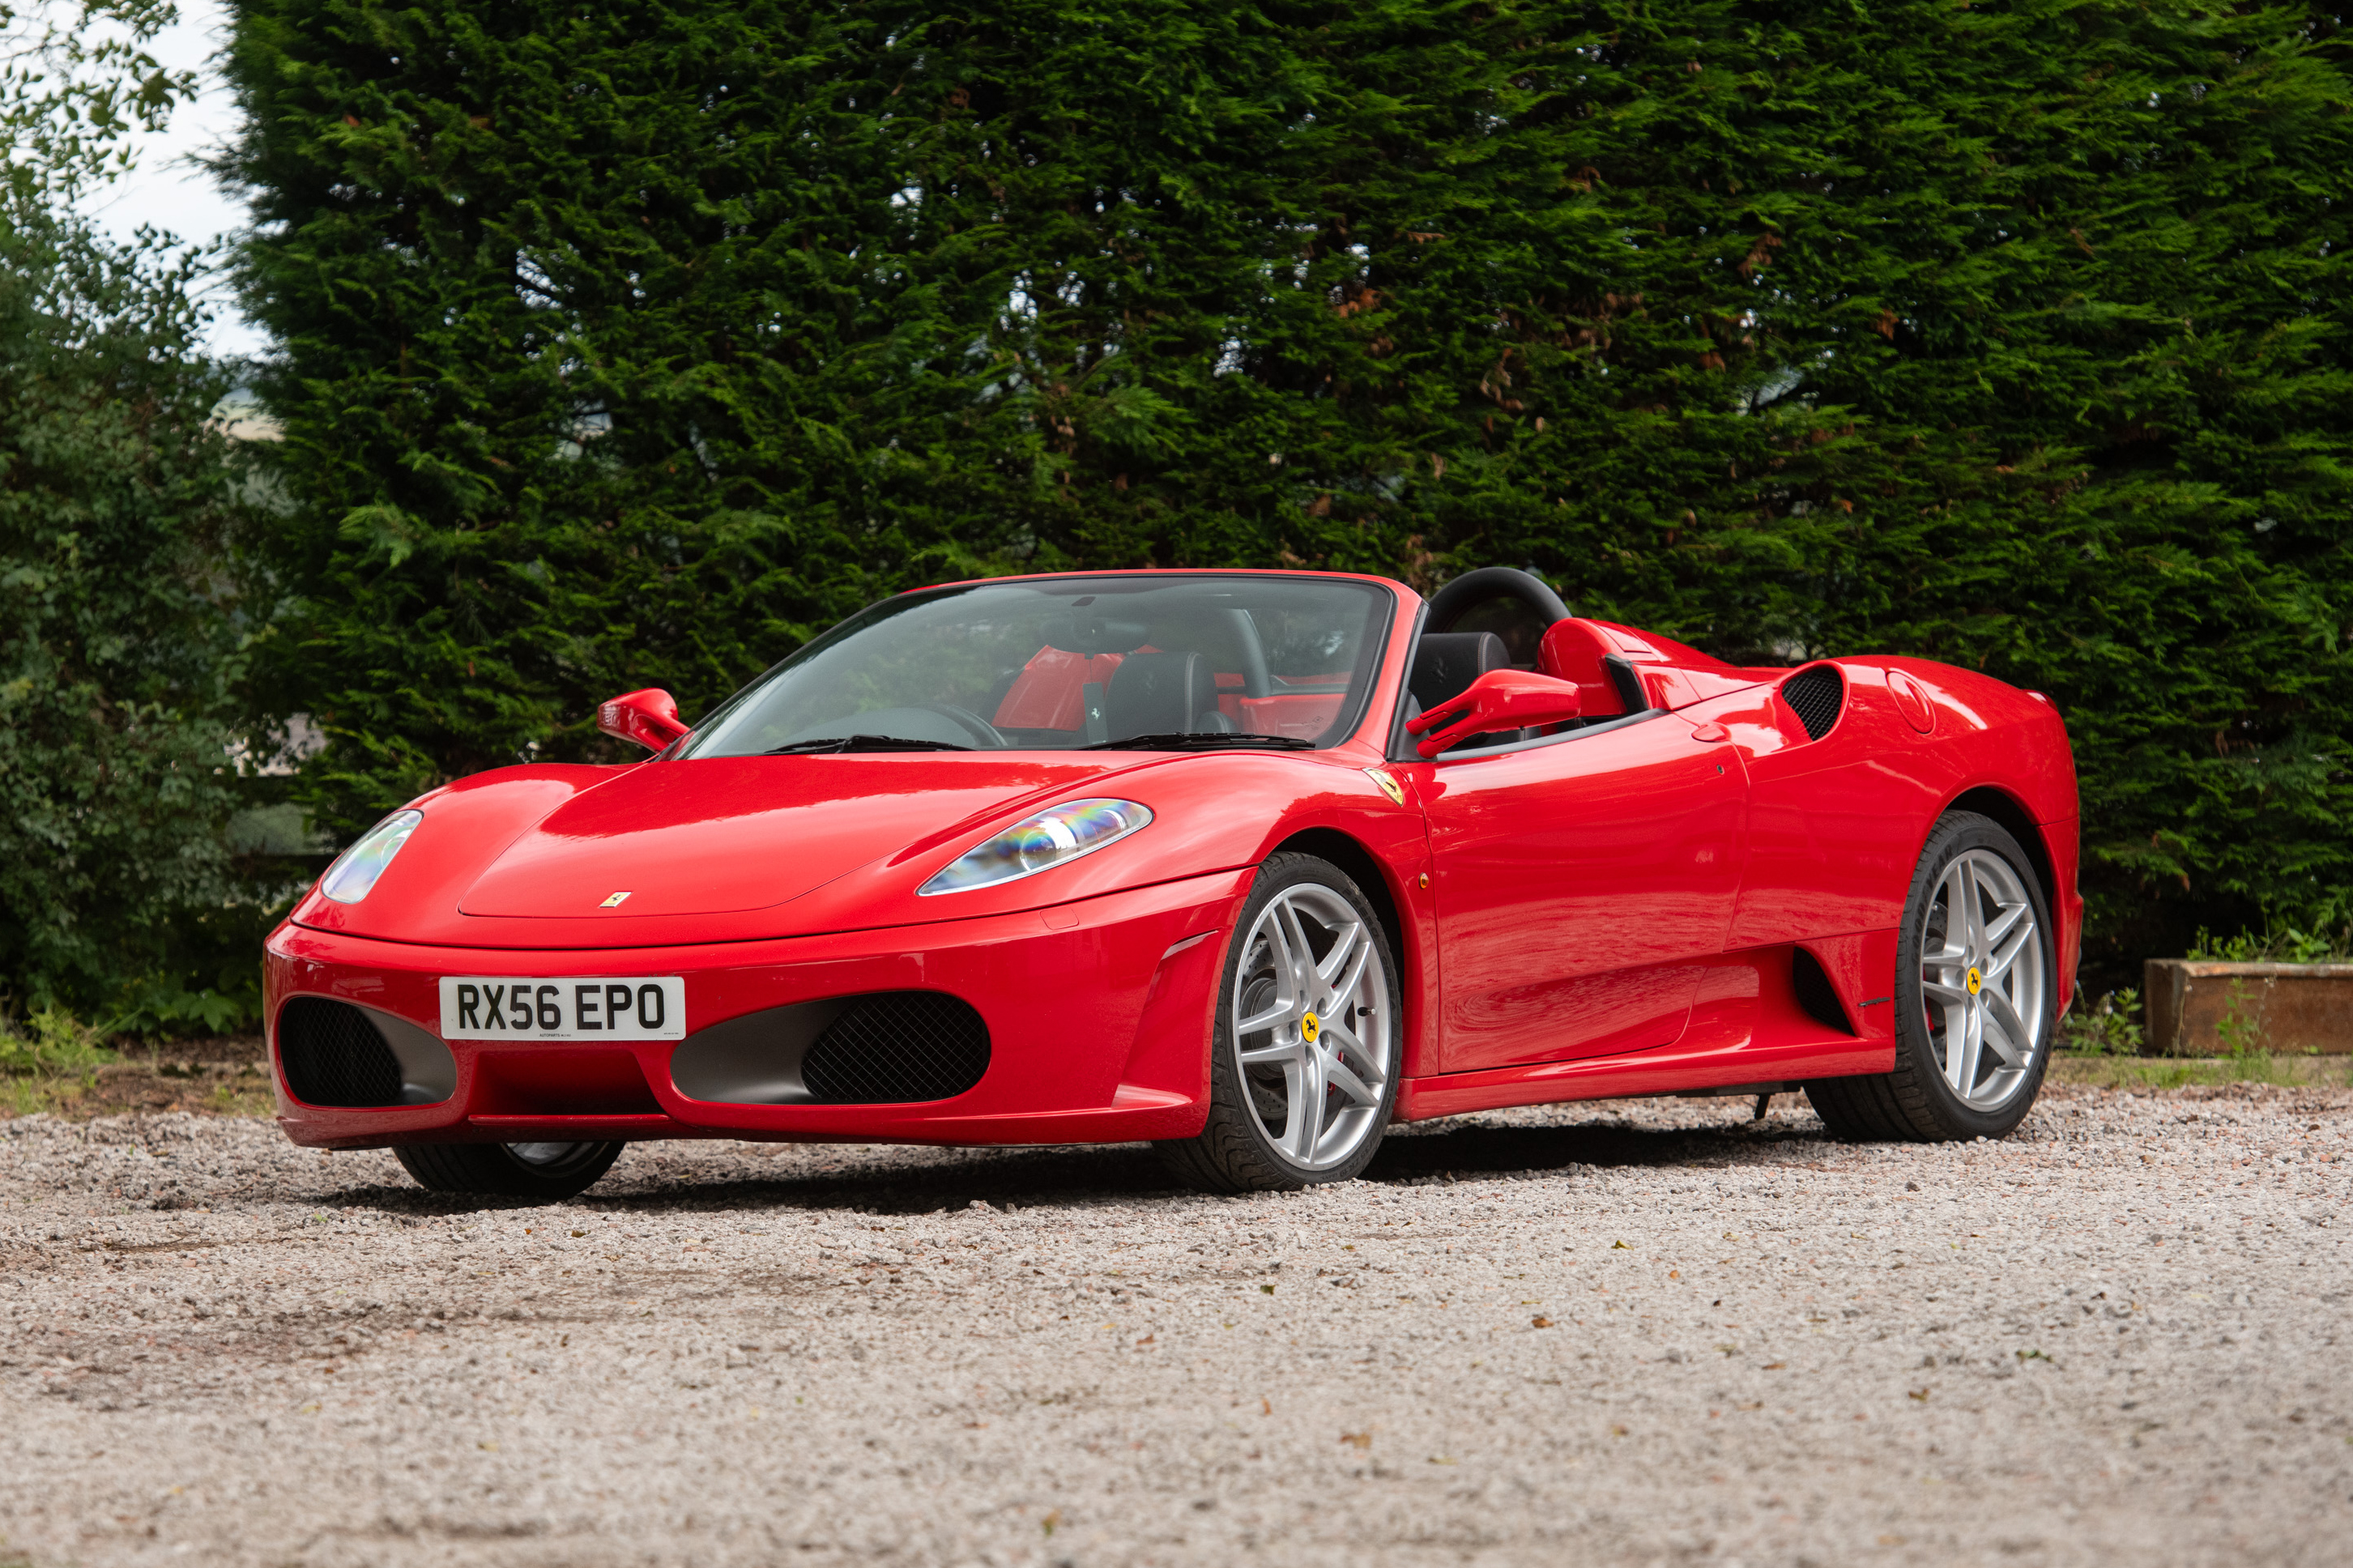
{"x": 1975, "y": 997}
{"x": 1303, "y": 1069}
{"x": 1982, "y": 979}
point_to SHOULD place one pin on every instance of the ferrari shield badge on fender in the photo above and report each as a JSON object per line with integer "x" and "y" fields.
{"x": 614, "y": 902}
{"x": 1389, "y": 785}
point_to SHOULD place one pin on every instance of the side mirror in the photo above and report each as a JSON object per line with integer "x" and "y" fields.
{"x": 1499, "y": 699}
{"x": 648, "y": 717}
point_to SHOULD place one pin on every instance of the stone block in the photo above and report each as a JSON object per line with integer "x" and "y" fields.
{"x": 2196, "y": 1007}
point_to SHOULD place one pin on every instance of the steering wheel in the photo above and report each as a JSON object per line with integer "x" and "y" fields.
{"x": 984, "y": 734}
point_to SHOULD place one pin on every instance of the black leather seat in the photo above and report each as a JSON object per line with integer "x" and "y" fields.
{"x": 1446, "y": 663}
{"x": 1163, "y": 694}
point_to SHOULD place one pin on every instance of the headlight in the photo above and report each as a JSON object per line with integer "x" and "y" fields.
{"x": 355, "y": 872}
{"x": 1040, "y": 843}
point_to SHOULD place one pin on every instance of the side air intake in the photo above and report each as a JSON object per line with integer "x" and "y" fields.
{"x": 895, "y": 1046}
{"x": 1817, "y": 694}
{"x": 333, "y": 1055}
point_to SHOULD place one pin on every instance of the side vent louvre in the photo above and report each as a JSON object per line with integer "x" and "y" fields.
{"x": 333, "y": 1055}
{"x": 896, "y": 1046}
{"x": 1817, "y": 694}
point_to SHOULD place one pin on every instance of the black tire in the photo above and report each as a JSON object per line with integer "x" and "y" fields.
{"x": 497, "y": 1169}
{"x": 1914, "y": 1104}
{"x": 1234, "y": 1152}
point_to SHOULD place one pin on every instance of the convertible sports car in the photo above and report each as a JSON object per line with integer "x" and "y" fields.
{"x": 1246, "y": 864}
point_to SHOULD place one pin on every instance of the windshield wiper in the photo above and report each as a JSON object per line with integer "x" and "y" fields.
{"x": 830, "y": 743}
{"x": 1208, "y": 741}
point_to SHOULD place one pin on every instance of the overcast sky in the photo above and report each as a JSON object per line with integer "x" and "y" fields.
{"x": 164, "y": 189}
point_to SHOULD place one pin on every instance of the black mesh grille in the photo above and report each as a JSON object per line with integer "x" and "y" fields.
{"x": 898, "y": 1046}
{"x": 333, "y": 1055}
{"x": 1816, "y": 694}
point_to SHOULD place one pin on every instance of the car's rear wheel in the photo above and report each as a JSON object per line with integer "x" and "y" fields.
{"x": 548, "y": 1172}
{"x": 1976, "y": 997}
{"x": 1303, "y": 1060}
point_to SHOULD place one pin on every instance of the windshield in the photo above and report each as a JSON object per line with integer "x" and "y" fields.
{"x": 1061, "y": 663}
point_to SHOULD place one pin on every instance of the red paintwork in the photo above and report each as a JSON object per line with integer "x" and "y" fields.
{"x": 1672, "y": 675}
{"x": 1605, "y": 913}
{"x": 648, "y": 717}
{"x": 1499, "y": 699}
{"x": 1581, "y": 886}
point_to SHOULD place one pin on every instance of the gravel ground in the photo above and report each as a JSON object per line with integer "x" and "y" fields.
{"x": 1624, "y": 1331}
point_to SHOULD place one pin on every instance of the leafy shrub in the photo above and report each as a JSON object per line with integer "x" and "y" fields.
{"x": 118, "y": 656}
{"x": 2330, "y": 941}
{"x": 2106, "y": 1028}
{"x": 51, "y": 1043}
{"x": 119, "y": 646}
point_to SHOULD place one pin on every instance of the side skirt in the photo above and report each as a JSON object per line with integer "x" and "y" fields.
{"x": 1749, "y": 1026}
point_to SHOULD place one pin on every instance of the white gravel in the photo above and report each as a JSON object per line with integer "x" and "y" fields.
{"x": 2120, "y": 1336}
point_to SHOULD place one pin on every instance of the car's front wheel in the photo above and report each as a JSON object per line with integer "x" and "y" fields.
{"x": 1976, "y": 997}
{"x": 548, "y": 1172}
{"x": 1303, "y": 1059}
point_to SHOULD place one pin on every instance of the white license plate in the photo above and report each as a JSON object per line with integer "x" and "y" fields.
{"x": 510, "y": 1008}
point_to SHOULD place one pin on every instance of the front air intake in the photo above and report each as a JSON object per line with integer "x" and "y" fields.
{"x": 1815, "y": 694}
{"x": 333, "y": 1054}
{"x": 895, "y": 1046}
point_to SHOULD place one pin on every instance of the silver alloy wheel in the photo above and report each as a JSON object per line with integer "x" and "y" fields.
{"x": 1983, "y": 979}
{"x": 1312, "y": 1030}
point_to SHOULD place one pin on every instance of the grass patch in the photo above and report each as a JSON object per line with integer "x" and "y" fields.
{"x": 50, "y": 1062}
{"x": 2185, "y": 1072}
{"x": 51, "y": 1043}
{"x": 142, "y": 1087}
{"x": 50, "y": 1054}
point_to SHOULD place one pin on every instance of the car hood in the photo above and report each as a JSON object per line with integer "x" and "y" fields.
{"x": 752, "y": 848}
{"x": 727, "y": 849}
{"x": 734, "y": 834}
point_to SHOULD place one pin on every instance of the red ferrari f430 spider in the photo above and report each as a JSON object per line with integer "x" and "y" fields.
{"x": 1248, "y": 865}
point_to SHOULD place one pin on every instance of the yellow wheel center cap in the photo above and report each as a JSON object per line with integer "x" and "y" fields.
{"x": 1309, "y": 1027}
{"x": 1976, "y": 982}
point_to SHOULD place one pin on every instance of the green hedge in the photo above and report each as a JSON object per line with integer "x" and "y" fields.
{"x": 629, "y": 344}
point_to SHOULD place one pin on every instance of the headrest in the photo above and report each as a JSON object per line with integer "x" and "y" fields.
{"x": 1446, "y": 663}
{"x": 1161, "y": 694}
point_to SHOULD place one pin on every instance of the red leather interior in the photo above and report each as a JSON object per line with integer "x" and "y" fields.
{"x": 1051, "y": 691}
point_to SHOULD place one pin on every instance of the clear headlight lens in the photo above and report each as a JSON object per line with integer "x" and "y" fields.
{"x": 355, "y": 872}
{"x": 1039, "y": 843}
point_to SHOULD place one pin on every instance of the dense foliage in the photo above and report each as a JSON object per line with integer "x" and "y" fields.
{"x": 124, "y": 891}
{"x": 119, "y": 892}
{"x": 626, "y": 345}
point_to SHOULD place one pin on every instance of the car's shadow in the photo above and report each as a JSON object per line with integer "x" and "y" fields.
{"x": 926, "y": 1181}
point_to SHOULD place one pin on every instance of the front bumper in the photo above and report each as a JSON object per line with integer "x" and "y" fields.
{"x": 1098, "y": 1031}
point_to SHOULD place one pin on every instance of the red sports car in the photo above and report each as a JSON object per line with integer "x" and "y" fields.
{"x": 1245, "y": 864}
